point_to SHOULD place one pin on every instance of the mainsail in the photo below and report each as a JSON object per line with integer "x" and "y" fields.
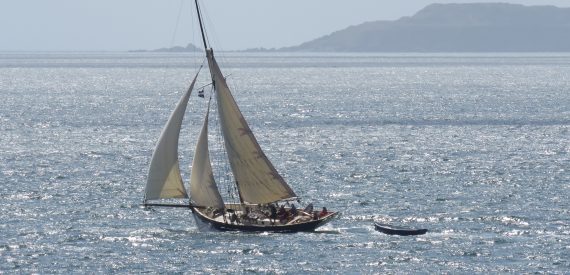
{"x": 203, "y": 187}
{"x": 257, "y": 180}
{"x": 164, "y": 180}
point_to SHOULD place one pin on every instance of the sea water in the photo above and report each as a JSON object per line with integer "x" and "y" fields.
{"x": 473, "y": 147}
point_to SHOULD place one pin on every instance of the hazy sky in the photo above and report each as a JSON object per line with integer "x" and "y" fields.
{"x": 116, "y": 25}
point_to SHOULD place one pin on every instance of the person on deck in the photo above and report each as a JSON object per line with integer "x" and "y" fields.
{"x": 273, "y": 213}
{"x": 282, "y": 214}
{"x": 293, "y": 211}
{"x": 324, "y": 212}
{"x": 234, "y": 218}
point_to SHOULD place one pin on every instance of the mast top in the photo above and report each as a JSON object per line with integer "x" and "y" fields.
{"x": 201, "y": 26}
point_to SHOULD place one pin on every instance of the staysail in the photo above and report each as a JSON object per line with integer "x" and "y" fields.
{"x": 257, "y": 180}
{"x": 164, "y": 180}
{"x": 203, "y": 188}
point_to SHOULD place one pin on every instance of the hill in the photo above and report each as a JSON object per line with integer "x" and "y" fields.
{"x": 476, "y": 27}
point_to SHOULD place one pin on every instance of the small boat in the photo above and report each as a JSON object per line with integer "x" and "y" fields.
{"x": 398, "y": 230}
{"x": 256, "y": 196}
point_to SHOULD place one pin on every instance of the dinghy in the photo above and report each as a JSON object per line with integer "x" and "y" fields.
{"x": 398, "y": 230}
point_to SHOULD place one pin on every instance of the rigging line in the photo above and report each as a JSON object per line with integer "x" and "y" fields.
{"x": 201, "y": 11}
{"x": 196, "y": 75}
{"x": 198, "y": 71}
{"x": 177, "y": 23}
{"x": 169, "y": 66}
{"x": 211, "y": 31}
{"x": 224, "y": 175}
{"x": 193, "y": 39}
{"x": 216, "y": 153}
{"x": 204, "y": 86}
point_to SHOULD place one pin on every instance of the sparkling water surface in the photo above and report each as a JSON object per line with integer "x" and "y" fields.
{"x": 473, "y": 147}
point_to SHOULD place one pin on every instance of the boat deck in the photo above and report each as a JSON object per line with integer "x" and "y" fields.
{"x": 256, "y": 217}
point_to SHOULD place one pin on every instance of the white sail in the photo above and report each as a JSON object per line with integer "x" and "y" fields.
{"x": 257, "y": 180}
{"x": 203, "y": 188}
{"x": 164, "y": 180}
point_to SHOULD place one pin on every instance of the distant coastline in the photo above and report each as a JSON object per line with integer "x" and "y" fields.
{"x": 176, "y": 49}
{"x": 473, "y": 27}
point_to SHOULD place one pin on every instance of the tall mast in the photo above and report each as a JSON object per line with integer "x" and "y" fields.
{"x": 201, "y": 27}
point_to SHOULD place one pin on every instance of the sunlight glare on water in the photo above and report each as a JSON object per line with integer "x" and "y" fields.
{"x": 472, "y": 147}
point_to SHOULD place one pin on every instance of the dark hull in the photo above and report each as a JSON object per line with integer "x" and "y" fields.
{"x": 401, "y": 231}
{"x": 291, "y": 228}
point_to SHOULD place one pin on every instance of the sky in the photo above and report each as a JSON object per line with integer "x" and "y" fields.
{"x": 121, "y": 25}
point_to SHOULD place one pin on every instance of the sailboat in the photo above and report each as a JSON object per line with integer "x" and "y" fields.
{"x": 263, "y": 201}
